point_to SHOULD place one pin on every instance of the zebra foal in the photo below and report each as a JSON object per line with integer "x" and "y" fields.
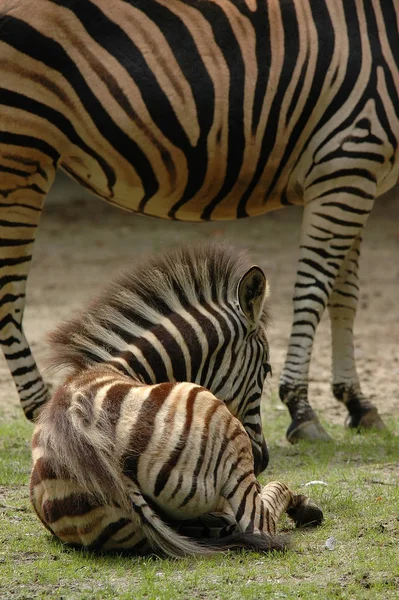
{"x": 210, "y": 110}
{"x": 123, "y": 455}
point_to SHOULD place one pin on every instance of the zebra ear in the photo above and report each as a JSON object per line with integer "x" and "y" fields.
{"x": 252, "y": 293}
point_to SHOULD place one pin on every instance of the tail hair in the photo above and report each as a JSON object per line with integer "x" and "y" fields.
{"x": 164, "y": 539}
{"x": 81, "y": 451}
{"x": 175, "y": 545}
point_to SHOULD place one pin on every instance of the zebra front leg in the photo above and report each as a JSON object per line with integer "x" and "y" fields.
{"x": 259, "y": 511}
{"x": 329, "y": 229}
{"x": 342, "y": 309}
{"x": 278, "y": 498}
{"x": 23, "y": 185}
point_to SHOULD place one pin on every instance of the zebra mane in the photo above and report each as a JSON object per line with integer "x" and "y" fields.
{"x": 143, "y": 296}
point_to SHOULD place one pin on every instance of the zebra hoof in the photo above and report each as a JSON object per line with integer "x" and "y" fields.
{"x": 304, "y": 513}
{"x": 368, "y": 420}
{"x": 309, "y": 430}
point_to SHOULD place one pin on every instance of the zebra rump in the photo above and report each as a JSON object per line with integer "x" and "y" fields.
{"x": 83, "y": 489}
{"x": 95, "y": 447}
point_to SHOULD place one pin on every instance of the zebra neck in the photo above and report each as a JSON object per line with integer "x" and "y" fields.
{"x": 155, "y": 358}
{"x": 153, "y": 367}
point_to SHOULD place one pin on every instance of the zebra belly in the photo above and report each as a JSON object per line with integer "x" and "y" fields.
{"x": 128, "y": 194}
{"x": 168, "y": 109}
{"x": 195, "y": 497}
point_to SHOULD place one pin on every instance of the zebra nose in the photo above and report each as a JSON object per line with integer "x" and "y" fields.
{"x": 261, "y": 457}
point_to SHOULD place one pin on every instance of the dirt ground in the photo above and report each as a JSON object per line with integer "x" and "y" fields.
{"x": 83, "y": 242}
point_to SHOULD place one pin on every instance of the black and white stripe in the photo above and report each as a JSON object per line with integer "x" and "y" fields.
{"x": 124, "y": 455}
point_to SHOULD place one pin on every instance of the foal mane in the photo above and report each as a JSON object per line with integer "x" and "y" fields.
{"x": 142, "y": 296}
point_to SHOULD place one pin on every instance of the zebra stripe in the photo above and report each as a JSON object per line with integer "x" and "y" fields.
{"x": 218, "y": 109}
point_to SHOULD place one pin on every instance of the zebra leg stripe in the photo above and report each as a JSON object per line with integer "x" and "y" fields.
{"x": 259, "y": 510}
{"x": 329, "y": 230}
{"x": 20, "y": 211}
{"x": 276, "y": 498}
{"x": 342, "y": 309}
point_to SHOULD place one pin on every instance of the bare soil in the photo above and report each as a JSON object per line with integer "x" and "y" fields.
{"x": 83, "y": 242}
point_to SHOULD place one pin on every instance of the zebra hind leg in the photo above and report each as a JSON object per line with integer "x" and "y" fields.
{"x": 342, "y": 309}
{"x": 23, "y": 185}
{"x": 207, "y": 526}
{"x": 303, "y": 512}
{"x": 329, "y": 229}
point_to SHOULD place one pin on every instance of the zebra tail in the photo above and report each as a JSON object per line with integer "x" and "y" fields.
{"x": 169, "y": 542}
{"x": 79, "y": 451}
{"x": 161, "y": 537}
{"x": 257, "y": 542}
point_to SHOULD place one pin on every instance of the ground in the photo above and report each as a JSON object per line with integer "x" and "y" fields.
{"x": 83, "y": 242}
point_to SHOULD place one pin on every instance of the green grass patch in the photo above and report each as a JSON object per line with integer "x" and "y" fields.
{"x": 360, "y": 503}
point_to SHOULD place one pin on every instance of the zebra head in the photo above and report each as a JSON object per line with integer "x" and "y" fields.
{"x": 197, "y": 315}
{"x": 246, "y": 362}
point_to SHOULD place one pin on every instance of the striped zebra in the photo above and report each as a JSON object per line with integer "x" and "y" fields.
{"x": 206, "y": 110}
{"x": 123, "y": 455}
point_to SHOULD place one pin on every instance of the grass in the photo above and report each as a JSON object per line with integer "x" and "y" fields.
{"x": 360, "y": 503}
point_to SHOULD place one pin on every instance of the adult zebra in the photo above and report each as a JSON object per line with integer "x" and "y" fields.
{"x": 206, "y": 109}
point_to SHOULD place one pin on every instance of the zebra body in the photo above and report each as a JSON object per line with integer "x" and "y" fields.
{"x": 118, "y": 465}
{"x": 199, "y": 110}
